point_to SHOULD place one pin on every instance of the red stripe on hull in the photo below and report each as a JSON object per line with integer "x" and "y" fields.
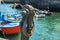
{"x": 13, "y": 30}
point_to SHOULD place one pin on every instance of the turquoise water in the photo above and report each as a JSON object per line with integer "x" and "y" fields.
{"x": 47, "y": 28}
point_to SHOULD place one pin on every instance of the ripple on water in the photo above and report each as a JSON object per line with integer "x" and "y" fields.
{"x": 47, "y": 29}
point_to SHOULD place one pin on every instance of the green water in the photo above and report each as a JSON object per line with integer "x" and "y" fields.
{"x": 47, "y": 28}
{"x": 11, "y": 37}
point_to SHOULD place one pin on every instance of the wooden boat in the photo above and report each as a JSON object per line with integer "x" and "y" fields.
{"x": 42, "y": 13}
{"x": 11, "y": 28}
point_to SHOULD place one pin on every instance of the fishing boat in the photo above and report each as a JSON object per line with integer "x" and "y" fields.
{"x": 11, "y": 28}
{"x": 10, "y": 25}
{"x": 14, "y": 23}
{"x": 39, "y": 13}
{"x": 42, "y": 13}
{"x": 7, "y": 24}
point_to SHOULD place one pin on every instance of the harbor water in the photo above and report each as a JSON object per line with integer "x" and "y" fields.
{"x": 47, "y": 28}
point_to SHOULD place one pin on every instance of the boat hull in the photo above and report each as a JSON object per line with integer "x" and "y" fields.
{"x": 12, "y": 30}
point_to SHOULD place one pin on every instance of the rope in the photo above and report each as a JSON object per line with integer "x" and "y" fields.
{"x": 27, "y": 23}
